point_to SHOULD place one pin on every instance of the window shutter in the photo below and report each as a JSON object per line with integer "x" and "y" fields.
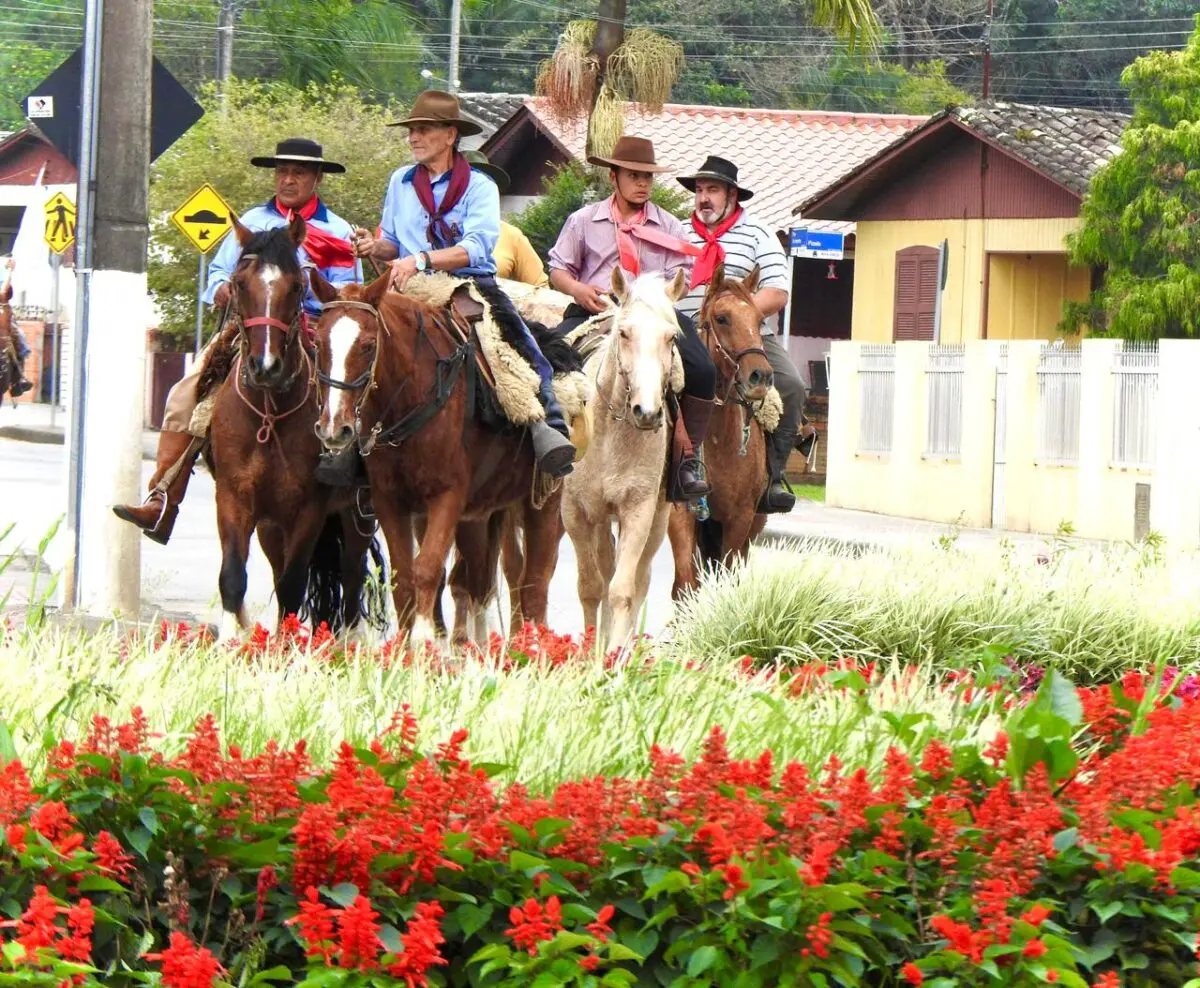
{"x": 916, "y": 293}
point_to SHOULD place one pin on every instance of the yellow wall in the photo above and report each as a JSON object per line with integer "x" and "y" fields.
{"x": 970, "y": 241}
{"x": 1026, "y": 292}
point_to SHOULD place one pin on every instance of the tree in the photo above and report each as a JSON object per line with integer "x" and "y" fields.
{"x": 1140, "y": 216}
{"x": 598, "y": 65}
{"x": 252, "y": 118}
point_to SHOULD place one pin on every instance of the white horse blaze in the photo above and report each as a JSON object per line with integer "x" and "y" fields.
{"x": 342, "y": 335}
{"x": 269, "y": 275}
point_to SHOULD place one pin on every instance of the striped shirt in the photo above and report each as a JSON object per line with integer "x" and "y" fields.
{"x": 746, "y": 243}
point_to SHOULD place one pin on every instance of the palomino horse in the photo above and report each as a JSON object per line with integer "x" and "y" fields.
{"x": 735, "y": 451}
{"x": 264, "y": 451}
{"x": 622, "y": 477}
{"x": 397, "y": 379}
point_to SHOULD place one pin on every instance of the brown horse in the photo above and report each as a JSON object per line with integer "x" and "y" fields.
{"x": 735, "y": 450}
{"x": 264, "y": 451}
{"x": 10, "y": 370}
{"x": 397, "y": 381}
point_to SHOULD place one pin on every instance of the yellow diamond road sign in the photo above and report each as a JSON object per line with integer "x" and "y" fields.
{"x": 60, "y": 223}
{"x": 204, "y": 219}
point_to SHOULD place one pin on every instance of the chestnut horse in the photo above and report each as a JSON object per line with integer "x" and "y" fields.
{"x": 735, "y": 451}
{"x": 398, "y": 381}
{"x": 264, "y": 451}
{"x": 10, "y": 370}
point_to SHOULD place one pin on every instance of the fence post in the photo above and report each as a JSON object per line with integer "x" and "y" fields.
{"x": 842, "y": 430}
{"x": 1175, "y": 484}
{"x": 1021, "y": 380}
{"x": 1095, "y": 435}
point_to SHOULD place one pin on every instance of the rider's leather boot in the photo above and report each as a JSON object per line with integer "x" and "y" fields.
{"x": 778, "y": 497}
{"x": 177, "y": 452}
{"x": 21, "y": 387}
{"x": 688, "y": 482}
{"x": 552, "y": 447}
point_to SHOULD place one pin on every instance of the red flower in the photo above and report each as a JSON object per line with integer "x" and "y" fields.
{"x": 912, "y": 974}
{"x": 1110, "y": 979}
{"x": 600, "y": 928}
{"x": 1036, "y": 915}
{"x": 35, "y": 928}
{"x": 359, "y": 935}
{"x": 316, "y": 925}
{"x": 14, "y": 834}
{"x": 1034, "y": 948}
{"x": 421, "y": 942}
{"x": 267, "y": 880}
{"x": 77, "y": 944}
{"x": 534, "y": 923}
{"x": 111, "y": 856}
{"x": 184, "y": 965}
{"x": 590, "y": 962}
{"x": 733, "y": 879}
{"x": 820, "y": 936}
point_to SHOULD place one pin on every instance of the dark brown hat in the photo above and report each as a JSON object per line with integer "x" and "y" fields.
{"x": 720, "y": 170}
{"x": 435, "y": 107}
{"x": 479, "y": 161}
{"x": 634, "y": 153}
{"x": 299, "y": 149}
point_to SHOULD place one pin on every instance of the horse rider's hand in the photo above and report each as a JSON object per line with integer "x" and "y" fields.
{"x": 364, "y": 243}
{"x": 591, "y": 298}
{"x": 221, "y": 295}
{"x": 402, "y": 270}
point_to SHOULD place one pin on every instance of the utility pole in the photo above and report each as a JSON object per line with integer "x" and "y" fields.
{"x": 106, "y": 444}
{"x": 455, "y": 35}
{"x": 987, "y": 52}
{"x": 226, "y": 17}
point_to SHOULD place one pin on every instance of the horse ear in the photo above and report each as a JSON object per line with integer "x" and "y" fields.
{"x": 297, "y": 229}
{"x": 377, "y": 289}
{"x": 620, "y": 286}
{"x": 678, "y": 286}
{"x": 750, "y": 282}
{"x": 321, "y": 288}
{"x": 242, "y": 232}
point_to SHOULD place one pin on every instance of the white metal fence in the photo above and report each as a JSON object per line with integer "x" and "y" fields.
{"x": 944, "y": 393}
{"x": 1135, "y": 404}
{"x": 1060, "y": 373}
{"x": 877, "y": 374}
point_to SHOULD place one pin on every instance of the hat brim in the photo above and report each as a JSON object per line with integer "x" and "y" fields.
{"x": 466, "y": 128}
{"x": 689, "y": 183}
{"x": 495, "y": 173}
{"x": 633, "y": 166}
{"x": 270, "y": 161}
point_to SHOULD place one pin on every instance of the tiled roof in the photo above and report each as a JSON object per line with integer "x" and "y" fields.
{"x": 490, "y": 109}
{"x": 783, "y": 155}
{"x": 1066, "y": 145}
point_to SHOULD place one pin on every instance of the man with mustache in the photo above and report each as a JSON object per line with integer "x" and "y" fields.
{"x": 726, "y": 235}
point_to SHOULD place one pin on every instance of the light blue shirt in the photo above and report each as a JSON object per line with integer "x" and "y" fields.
{"x": 477, "y": 214}
{"x": 267, "y": 217}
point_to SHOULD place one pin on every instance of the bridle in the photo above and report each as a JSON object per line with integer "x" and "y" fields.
{"x": 731, "y": 360}
{"x": 412, "y": 421}
{"x": 614, "y": 350}
{"x": 292, "y": 331}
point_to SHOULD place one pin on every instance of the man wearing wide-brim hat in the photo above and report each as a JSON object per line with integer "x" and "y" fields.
{"x": 727, "y": 235}
{"x": 628, "y": 229}
{"x": 514, "y": 255}
{"x": 442, "y": 215}
{"x": 299, "y": 165}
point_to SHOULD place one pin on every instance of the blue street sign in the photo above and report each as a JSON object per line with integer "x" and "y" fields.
{"x": 826, "y": 246}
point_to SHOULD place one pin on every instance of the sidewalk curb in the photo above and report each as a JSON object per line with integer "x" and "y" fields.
{"x": 47, "y": 436}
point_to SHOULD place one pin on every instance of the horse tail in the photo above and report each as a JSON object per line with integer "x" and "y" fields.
{"x": 323, "y": 591}
{"x": 709, "y": 539}
{"x": 373, "y": 598}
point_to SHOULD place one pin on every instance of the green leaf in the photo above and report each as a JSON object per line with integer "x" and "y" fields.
{"x": 643, "y": 942}
{"x": 1064, "y": 700}
{"x": 389, "y": 936}
{"x": 764, "y": 951}
{"x": 550, "y": 825}
{"x": 140, "y": 839}
{"x": 98, "y": 883}
{"x": 527, "y": 863}
{"x": 701, "y": 960}
{"x": 279, "y": 973}
{"x": 1066, "y": 838}
{"x": 149, "y": 819}
{"x": 619, "y": 952}
{"x": 8, "y": 750}
{"x": 343, "y": 894}
{"x": 1106, "y": 910}
{"x": 471, "y": 919}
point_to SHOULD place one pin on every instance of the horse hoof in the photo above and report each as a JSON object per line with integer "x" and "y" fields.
{"x": 423, "y": 633}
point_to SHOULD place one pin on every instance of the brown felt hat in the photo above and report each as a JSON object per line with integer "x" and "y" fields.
{"x": 634, "y": 153}
{"x": 436, "y": 107}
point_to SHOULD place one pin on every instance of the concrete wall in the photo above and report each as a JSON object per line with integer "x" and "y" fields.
{"x": 971, "y": 241}
{"x": 1094, "y": 495}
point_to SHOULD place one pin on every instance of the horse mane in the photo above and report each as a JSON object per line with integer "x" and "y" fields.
{"x": 274, "y": 247}
{"x": 651, "y": 291}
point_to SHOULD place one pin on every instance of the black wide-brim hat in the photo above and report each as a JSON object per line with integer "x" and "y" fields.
{"x": 719, "y": 170}
{"x": 298, "y": 149}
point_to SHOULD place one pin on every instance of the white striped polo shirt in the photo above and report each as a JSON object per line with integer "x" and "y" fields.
{"x": 746, "y": 243}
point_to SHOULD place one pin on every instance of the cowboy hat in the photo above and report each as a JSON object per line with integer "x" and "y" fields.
{"x": 719, "y": 170}
{"x": 299, "y": 149}
{"x": 479, "y": 161}
{"x": 435, "y": 107}
{"x": 634, "y": 153}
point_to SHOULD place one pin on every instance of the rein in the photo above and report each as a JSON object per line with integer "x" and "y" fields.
{"x": 623, "y": 376}
{"x": 733, "y": 393}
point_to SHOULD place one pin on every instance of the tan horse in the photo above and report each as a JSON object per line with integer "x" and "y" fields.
{"x": 735, "y": 451}
{"x": 622, "y": 477}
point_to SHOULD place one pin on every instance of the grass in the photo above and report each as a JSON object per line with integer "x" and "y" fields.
{"x": 810, "y": 492}
{"x": 1090, "y": 614}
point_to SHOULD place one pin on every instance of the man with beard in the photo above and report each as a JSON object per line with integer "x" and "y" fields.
{"x": 726, "y": 235}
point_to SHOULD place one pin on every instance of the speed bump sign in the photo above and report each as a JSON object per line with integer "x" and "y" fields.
{"x": 204, "y": 218}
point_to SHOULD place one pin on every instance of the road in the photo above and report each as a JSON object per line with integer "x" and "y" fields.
{"x": 181, "y": 578}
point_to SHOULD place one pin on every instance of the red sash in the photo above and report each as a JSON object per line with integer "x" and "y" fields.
{"x": 713, "y": 253}
{"x": 323, "y": 249}
{"x": 637, "y": 227}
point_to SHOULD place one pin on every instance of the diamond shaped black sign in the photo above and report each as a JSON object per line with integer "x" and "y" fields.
{"x": 172, "y": 109}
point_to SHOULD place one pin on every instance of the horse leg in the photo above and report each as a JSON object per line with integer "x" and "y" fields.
{"x": 441, "y": 521}
{"x": 591, "y": 580}
{"x": 397, "y": 528}
{"x": 471, "y": 584}
{"x": 301, "y": 536}
{"x": 637, "y": 526}
{"x": 235, "y": 522}
{"x": 513, "y": 561}
{"x": 681, "y": 528}
{"x": 657, "y": 532}
{"x": 543, "y": 533}
{"x": 355, "y": 548}
{"x": 273, "y": 543}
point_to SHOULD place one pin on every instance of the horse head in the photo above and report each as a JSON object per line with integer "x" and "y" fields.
{"x": 731, "y": 323}
{"x": 348, "y": 341}
{"x": 643, "y": 341}
{"x": 268, "y": 299}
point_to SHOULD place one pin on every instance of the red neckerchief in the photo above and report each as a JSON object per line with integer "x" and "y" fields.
{"x": 713, "y": 253}
{"x": 440, "y": 233}
{"x": 323, "y": 249}
{"x": 639, "y": 228}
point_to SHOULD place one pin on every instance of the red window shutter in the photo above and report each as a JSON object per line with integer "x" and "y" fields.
{"x": 916, "y": 293}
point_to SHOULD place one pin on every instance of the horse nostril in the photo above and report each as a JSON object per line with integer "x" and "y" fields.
{"x": 637, "y": 411}
{"x": 346, "y": 433}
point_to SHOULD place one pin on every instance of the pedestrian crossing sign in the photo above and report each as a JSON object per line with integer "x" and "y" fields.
{"x": 60, "y": 223}
{"x": 204, "y": 218}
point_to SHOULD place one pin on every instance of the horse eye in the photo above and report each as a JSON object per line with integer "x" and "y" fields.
{"x": 722, "y": 320}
